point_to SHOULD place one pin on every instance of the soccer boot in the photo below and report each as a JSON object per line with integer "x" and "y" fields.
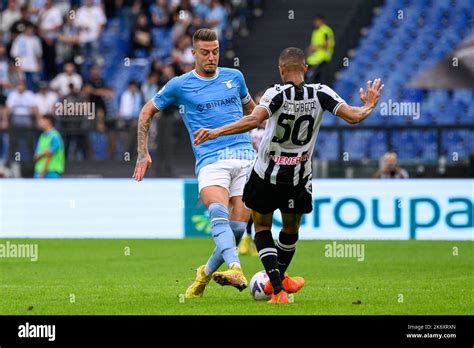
{"x": 244, "y": 246}
{"x": 291, "y": 285}
{"x": 253, "y": 250}
{"x": 196, "y": 289}
{"x": 233, "y": 276}
{"x": 280, "y": 298}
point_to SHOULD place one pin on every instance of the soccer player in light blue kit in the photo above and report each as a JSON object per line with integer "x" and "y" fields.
{"x": 210, "y": 97}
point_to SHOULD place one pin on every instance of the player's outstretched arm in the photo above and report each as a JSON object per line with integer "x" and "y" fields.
{"x": 144, "y": 158}
{"x": 258, "y": 115}
{"x": 370, "y": 98}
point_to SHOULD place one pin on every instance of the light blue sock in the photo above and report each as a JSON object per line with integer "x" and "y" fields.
{"x": 216, "y": 259}
{"x": 238, "y": 227}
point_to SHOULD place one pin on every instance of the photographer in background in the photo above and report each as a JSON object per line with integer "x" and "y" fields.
{"x": 390, "y": 168}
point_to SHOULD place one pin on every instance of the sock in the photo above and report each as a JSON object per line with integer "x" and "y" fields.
{"x": 249, "y": 227}
{"x": 223, "y": 237}
{"x": 238, "y": 227}
{"x": 286, "y": 246}
{"x": 214, "y": 262}
{"x": 268, "y": 255}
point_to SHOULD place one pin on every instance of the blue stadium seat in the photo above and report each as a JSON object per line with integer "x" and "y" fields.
{"x": 403, "y": 50}
{"x": 98, "y": 142}
{"x": 457, "y": 144}
{"x": 327, "y": 146}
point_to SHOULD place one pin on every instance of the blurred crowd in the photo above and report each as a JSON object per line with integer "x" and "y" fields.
{"x": 51, "y": 57}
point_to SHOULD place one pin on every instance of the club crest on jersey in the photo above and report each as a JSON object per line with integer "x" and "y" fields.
{"x": 228, "y": 83}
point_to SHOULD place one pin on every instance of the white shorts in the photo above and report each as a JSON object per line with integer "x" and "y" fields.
{"x": 230, "y": 174}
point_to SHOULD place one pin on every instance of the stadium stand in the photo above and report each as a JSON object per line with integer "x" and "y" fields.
{"x": 405, "y": 39}
{"x": 148, "y": 41}
{"x": 135, "y": 40}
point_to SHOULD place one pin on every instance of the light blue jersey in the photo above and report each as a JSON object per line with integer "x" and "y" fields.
{"x": 210, "y": 103}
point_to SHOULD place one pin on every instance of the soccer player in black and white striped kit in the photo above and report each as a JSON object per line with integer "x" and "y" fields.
{"x": 281, "y": 176}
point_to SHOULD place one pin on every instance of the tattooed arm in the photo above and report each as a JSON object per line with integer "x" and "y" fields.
{"x": 144, "y": 158}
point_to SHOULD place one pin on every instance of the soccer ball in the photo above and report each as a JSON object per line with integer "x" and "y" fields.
{"x": 257, "y": 284}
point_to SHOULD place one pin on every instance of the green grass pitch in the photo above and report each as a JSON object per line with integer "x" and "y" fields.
{"x": 96, "y": 277}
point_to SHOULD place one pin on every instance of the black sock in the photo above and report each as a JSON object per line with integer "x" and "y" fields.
{"x": 249, "y": 227}
{"x": 286, "y": 246}
{"x": 268, "y": 255}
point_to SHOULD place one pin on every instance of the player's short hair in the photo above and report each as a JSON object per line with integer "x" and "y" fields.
{"x": 204, "y": 35}
{"x": 292, "y": 57}
{"x": 50, "y": 119}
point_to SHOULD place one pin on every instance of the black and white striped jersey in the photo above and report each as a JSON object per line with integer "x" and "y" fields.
{"x": 295, "y": 115}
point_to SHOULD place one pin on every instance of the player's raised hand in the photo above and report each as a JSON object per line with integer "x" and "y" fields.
{"x": 371, "y": 96}
{"x": 204, "y": 134}
{"x": 143, "y": 163}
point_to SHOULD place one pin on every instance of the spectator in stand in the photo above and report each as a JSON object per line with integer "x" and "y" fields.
{"x": 167, "y": 74}
{"x": 4, "y": 80}
{"x": 50, "y": 22}
{"x": 201, "y": 9}
{"x": 217, "y": 19}
{"x": 26, "y": 50}
{"x": 7, "y": 18}
{"x": 182, "y": 19}
{"x": 160, "y": 14}
{"x": 183, "y": 6}
{"x": 113, "y": 9}
{"x": 3, "y": 127}
{"x": 46, "y": 99}
{"x": 150, "y": 86}
{"x": 390, "y": 168}
{"x": 90, "y": 20}
{"x": 182, "y": 54}
{"x": 157, "y": 66}
{"x": 22, "y": 111}
{"x": 197, "y": 23}
{"x": 100, "y": 93}
{"x": 34, "y": 8}
{"x": 67, "y": 46}
{"x": 141, "y": 38}
{"x": 74, "y": 127}
{"x": 19, "y": 26}
{"x": 15, "y": 75}
{"x": 131, "y": 103}
{"x": 49, "y": 153}
{"x": 62, "y": 82}
{"x": 21, "y": 106}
